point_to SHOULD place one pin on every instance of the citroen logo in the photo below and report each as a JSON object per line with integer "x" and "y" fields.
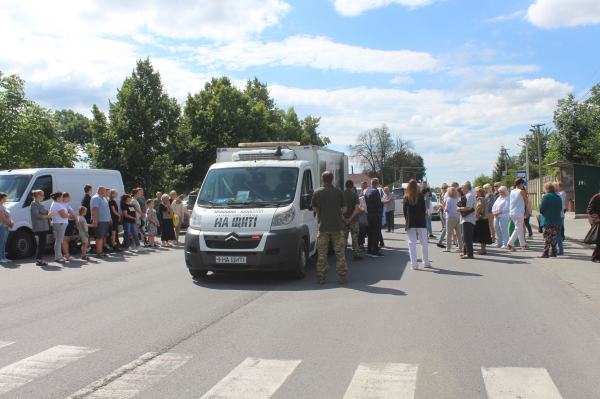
{"x": 231, "y": 236}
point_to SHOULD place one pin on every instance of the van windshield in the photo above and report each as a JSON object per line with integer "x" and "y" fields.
{"x": 14, "y": 186}
{"x": 249, "y": 186}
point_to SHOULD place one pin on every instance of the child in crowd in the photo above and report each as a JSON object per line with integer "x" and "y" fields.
{"x": 83, "y": 232}
{"x": 152, "y": 225}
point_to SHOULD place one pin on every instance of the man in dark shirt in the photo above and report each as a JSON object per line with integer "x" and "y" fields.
{"x": 86, "y": 202}
{"x": 329, "y": 204}
{"x": 351, "y": 219}
{"x": 374, "y": 215}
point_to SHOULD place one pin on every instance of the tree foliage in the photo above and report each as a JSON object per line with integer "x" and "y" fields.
{"x": 380, "y": 154}
{"x": 482, "y": 180}
{"x": 140, "y": 139}
{"x": 29, "y": 136}
{"x": 73, "y": 127}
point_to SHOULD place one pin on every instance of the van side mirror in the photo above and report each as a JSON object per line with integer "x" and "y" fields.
{"x": 307, "y": 199}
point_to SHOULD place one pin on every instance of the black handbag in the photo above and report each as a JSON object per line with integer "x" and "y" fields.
{"x": 592, "y": 236}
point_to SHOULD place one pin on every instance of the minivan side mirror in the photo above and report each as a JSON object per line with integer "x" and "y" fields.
{"x": 307, "y": 199}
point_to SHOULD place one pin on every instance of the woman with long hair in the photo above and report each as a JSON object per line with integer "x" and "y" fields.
{"x": 40, "y": 224}
{"x": 115, "y": 217}
{"x": 415, "y": 214}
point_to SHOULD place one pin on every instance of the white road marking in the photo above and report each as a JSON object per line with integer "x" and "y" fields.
{"x": 383, "y": 381}
{"x": 27, "y": 370}
{"x": 5, "y": 343}
{"x": 253, "y": 378}
{"x": 519, "y": 382}
{"x": 131, "y": 379}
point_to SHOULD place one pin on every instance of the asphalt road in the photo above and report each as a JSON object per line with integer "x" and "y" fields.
{"x": 137, "y": 325}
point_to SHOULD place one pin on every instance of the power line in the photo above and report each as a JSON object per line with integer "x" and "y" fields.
{"x": 588, "y": 81}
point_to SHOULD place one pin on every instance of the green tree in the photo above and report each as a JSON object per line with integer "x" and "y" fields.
{"x": 576, "y": 138}
{"x": 141, "y": 139}
{"x": 28, "y": 132}
{"x": 73, "y": 127}
{"x": 310, "y": 135}
{"x": 482, "y": 180}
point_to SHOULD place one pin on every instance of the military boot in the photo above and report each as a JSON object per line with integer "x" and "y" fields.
{"x": 321, "y": 280}
{"x": 343, "y": 280}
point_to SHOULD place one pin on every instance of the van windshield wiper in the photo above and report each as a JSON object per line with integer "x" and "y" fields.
{"x": 252, "y": 204}
{"x": 210, "y": 202}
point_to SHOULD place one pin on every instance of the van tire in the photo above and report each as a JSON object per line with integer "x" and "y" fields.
{"x": 299, "y": 271}
{"x": 22, "y": 245}
{"x": 198, "y": 273}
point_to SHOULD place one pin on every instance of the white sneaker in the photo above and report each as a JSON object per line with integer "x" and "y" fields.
{"x": 130, "y": 248}
{"x": 415, "y": 268}
{"x": 4, "y": 260}
{"x": 140, "y": 248}
{"x": 427, "y": 266}
{"x": 498, "y": 246}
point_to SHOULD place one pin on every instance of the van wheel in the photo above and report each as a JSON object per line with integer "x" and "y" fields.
{"x": 22, "y": 245}
{"x": 198, "y": 273}
{"x": 300, "y": 271}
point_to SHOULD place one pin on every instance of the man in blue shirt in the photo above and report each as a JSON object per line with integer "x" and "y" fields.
{"x": 101, "y": 219}
{"x": 374, "y": 215}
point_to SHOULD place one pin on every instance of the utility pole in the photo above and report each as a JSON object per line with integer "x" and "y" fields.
{"x": 504, "y": 152}
{"x": 539, "y": 137}
{"x": 526, "y": 140}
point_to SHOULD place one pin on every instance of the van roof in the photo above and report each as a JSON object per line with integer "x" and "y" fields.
{"x": 36, "y": 170}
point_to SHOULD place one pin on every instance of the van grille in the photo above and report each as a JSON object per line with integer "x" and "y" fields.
{"x": 232, "y": 244}
{"x": 256, "y": 157}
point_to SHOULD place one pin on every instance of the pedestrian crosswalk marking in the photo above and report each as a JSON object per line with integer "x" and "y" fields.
{"x": 253, "y": 378}
{"x": 5, "y": 343}
{"x": 131, "y": 379}
{"x": 24, "y": 371}
{"x": 519, "y": 382}
{"x": 383, "y": 381}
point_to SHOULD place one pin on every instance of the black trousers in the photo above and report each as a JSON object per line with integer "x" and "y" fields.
{"x": 528, "y": 226}
{"x": 467, "y": 229}
{"x": 596, "y": 253}
{"x": 374, "y": 232}
{"x": 389, "y": 218}
{"x": 159, "y": 227}
{"x": 41, "y": 245}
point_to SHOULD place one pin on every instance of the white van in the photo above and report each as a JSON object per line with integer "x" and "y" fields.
{"x": 253, "y": 211}
{"x": 18, "y": 184}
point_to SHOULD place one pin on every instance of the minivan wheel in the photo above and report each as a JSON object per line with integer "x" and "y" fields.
{"x": 300, "y": 270}
{"x": 198, "y": 273}
{"x": 22, "y": 245}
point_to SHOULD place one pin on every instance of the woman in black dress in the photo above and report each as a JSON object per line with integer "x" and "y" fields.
{"x": 168, "y": 230}
{"x": 481, "y": 233}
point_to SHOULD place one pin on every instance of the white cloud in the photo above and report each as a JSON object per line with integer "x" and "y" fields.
{"x": 402, "y": 80}
{"x": 218, "y": 20}
{"x": 353, "y": 8}
{"x": 502, "y": 18}
{"x": 317, "y": 52}
{"x": 556, "y": 13}
{"x": 467, "y": 124}
{"x": 509, "y": 69}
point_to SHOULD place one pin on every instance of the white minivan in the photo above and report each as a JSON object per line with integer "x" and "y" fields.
{"x": 18, "y": 184}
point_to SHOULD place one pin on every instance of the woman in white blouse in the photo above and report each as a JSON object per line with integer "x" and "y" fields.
{"x": 501, "y": 210}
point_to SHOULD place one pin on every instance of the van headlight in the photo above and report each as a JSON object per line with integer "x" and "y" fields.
{"x": 196, "y": 218}
{"x": 284, "y": 217}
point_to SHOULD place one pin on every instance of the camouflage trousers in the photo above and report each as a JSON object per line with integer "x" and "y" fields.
{"x": 339, "y": 245}
{"x": 352, "y": 228}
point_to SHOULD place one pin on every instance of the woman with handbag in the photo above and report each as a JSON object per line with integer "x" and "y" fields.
{"x": 550, "y": 209}
{"x": 40, "y": 224}
{"x": 482, "y": 234}
{"x": 593, "y": 212}
{"x": 168, "y": 229}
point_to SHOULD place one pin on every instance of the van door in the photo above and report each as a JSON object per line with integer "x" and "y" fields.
{"x": 308, "y": 216}
{"x": 42, "y": 182}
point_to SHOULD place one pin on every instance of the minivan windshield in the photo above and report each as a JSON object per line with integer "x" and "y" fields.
{"x": 251, "y": 186}
{"x": 14, "y": 186}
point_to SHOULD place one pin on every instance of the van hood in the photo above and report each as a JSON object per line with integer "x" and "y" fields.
{"x": 239, "y": 220}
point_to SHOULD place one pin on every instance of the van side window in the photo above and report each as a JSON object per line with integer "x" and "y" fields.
{"x": 43, "y": 183}
{"x": 306, "y": 185}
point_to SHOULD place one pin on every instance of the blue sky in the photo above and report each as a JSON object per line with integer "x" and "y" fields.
{"x": 459, "y": 78}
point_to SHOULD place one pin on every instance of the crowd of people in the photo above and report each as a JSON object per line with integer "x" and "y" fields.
{"x": 98, "y": 219}
{"x": 488, "y": 215}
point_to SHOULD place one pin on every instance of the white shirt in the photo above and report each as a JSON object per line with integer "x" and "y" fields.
{"x": 54, "y": 208}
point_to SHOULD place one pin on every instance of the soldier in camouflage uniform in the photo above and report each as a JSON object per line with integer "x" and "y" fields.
{"x": 329, "y": 204}
{"x": 351, "y": 218}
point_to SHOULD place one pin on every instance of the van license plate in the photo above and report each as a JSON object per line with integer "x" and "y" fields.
{"x": 231, "y": 259}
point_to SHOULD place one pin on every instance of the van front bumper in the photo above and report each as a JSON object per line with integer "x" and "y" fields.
{"x": 278, "y": 253}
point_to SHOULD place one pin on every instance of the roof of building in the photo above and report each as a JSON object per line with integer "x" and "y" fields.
{"x": 358, "y": 178}
{"x": 561, "y": 164}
